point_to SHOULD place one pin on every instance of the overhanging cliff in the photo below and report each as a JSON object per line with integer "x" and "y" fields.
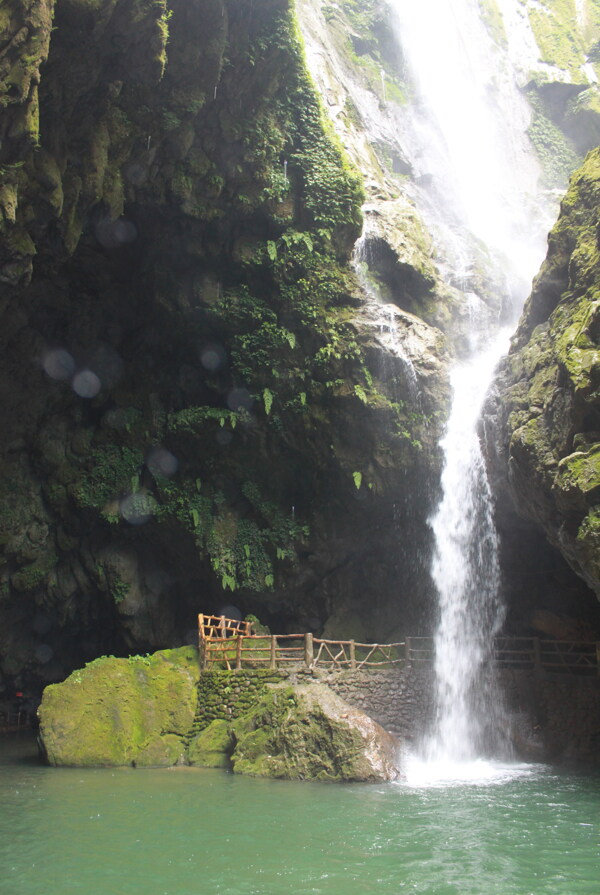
{"x": 195, "y": 398}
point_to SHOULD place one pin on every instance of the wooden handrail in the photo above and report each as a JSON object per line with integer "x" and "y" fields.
{"x": 232, "y": 643}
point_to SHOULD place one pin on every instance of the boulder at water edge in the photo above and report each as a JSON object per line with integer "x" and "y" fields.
{"x": 122, "y": 711}
{"x": 309, "y": 733}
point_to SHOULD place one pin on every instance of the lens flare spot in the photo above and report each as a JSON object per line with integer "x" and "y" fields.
{"x": 162, "y": 462}
{"x": 138, "y": 508}
{"x": 239, "y": 399}
{"x": 86, "y": 384}
{"x": 58, "y": 364}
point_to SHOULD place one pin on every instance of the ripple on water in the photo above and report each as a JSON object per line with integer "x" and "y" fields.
{"x": 183, "y": 832}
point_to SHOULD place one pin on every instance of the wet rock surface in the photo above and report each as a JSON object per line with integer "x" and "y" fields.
{"x": 547, "y": 401}
{"x": 195, "y": 398}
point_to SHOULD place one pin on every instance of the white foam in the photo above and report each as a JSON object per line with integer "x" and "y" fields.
{"x": 419, "y": 773}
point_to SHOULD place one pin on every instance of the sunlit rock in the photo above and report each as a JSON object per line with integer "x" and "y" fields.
{"x": 122, "y": 711}
{"x": 309, "y": 733}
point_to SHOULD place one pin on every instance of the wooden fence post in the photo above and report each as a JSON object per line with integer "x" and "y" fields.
{"x": 537, "y": 655}
{"x": 238, "y": 653}
{"x": 309, "y": 650}
{"x": 407, "y": 649}
{"x": 273, "y": 655}
{"x": 352, "y": 654}
{"x": 201, "y": 642}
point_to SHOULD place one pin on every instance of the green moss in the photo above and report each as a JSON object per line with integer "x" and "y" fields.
{"x": 557, "y": 37}
{"x": 213, "y": 747}
{"x": 31, "y": 576}
{"x": 118, "y": 711}
{"x": 589, "y": 530}
{"x": 299, "y": 734}
{"x": 493, "y": 21}
{"x": 226, "y": 695}
{"x": 557, "y": 154}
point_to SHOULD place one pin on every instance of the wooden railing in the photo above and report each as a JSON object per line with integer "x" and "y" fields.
{"x": 230, "y": 644}
{"x": 355, "y": 655}
{"x": 215, "y": 626}
{"x": 533, "y": 653}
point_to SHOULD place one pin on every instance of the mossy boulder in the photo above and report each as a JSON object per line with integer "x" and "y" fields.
{"x": 135, "y": 711}
{"x": 308, "y": 733}
{"x": 213, "y": 747}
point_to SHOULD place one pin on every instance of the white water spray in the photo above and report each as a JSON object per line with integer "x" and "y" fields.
{"x": 384, "y": 315}
{"x": 476, "y": 155}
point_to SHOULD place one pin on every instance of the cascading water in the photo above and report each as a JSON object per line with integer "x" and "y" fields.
{"x": 384, "y": 315}
{"x": 470, "y": 123}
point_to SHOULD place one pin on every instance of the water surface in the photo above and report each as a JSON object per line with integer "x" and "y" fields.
{"x": 186, "y": 831}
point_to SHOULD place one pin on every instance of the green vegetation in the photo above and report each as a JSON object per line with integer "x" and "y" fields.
{"x": 492, "y": 18}
{"x": 554, "y": 24}
{"x": 554, "y": 449}
{"x": 226, "y": 695}
{"x": 557, "y": 154}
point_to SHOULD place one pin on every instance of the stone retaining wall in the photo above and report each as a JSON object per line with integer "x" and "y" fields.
{"x": 400, "y": 699}
{"x": 551, "y": 717}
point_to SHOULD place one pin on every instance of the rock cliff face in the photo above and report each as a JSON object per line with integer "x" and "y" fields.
{"x": 196, "y": 396}
{"x": 549, "y": 388}
{"x": 205, "y": 400}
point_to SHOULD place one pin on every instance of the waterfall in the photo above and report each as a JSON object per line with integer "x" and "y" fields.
{"x": 467, "y": 125}
{"x": 384, "y": 316}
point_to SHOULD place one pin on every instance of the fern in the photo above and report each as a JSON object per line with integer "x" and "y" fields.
{"x": 360, "y": 393}
{"x": 268, "y": 399}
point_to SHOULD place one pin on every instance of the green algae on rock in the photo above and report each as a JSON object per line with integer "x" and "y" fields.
{"x": 213, "y": 747}
{"x": 142, "y": 711}
{"x": 550, "y": 385}
{"x": 122, "y": 711}
{"x": 308, "y": 733}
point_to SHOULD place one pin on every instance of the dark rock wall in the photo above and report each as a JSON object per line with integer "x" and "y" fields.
{"x": 554, "y": 718}
{"x": 547, "y": 420}
{"x": 193, "y": 400}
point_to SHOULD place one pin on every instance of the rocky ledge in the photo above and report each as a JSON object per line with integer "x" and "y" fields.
{"x": 145, "y": 711}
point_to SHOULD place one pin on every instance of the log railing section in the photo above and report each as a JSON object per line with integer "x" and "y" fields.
{"x": 528, "y": 653}
{"x": 230, "y": 644}
{"x": 215, "y": 626}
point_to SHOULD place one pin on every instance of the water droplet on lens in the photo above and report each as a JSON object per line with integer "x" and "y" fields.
{"x": 43, "y": 653}
{"x": 160, "y": 461}
{"x": 86, "y": 384}
{"x": 239, "y": 399}
{"x": 212, "y": 357}
{"x": 137, "y": 508}
{"x": 136, "y": 174}
{"x": 231, "y": 611}
{"x": 59, "y": 364}
{"x": 114, "y": 233}
{"x": 224, "y": 437}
